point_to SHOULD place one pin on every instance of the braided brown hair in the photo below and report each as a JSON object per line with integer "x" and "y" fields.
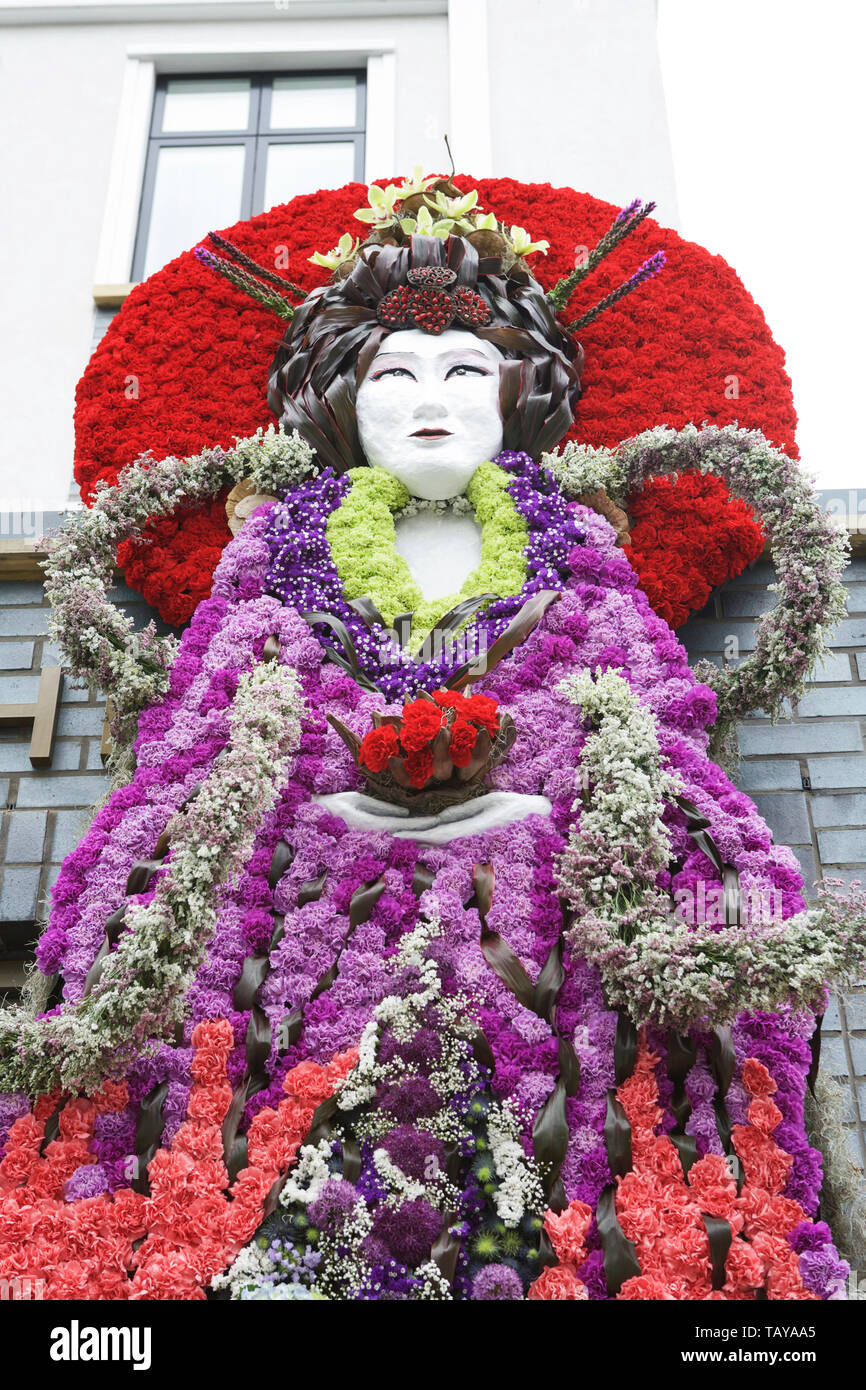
{"x": 330, "y": 344}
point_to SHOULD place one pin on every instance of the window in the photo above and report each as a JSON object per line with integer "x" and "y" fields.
{"x": 224, "y": 148}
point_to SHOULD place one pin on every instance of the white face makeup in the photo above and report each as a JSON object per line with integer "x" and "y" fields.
{"x": 428, "y": 409}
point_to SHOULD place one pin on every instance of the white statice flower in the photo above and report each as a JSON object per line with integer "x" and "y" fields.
{"x": 273, "y": 460}
{"x": 308, "y": 1177}
{"x": 252, "y": 1266}
{"x": 408, "y": 1189}
{"x": 519, "y": 1187}
{"x": 581, "y": 468}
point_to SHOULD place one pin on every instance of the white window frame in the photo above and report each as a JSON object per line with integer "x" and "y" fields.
{"x": 141, "y": 69}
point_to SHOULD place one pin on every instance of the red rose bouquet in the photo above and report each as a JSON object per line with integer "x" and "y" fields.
{"x": 435, "y": 754}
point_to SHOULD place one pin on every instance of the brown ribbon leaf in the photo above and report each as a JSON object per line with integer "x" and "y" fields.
{"x": 620, "y": 1257}
{"x": 617, "y": 1136}
{"x": 253, "y": 974}
{"x": 281, "y": 861}
{"x": 624, "y": 1048}
{"x": 720, "y": 1236}
{"x": 550, "y": 1142}
{"x": 517, "y": 631}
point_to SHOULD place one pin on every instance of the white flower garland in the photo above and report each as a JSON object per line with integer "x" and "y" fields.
{"x": 621, "y": 767}
{"x": 809, "y": 548}
{"x": 657, "y": 968}
{"x": 140, "y": 995}
{"x": 98, "y": 643}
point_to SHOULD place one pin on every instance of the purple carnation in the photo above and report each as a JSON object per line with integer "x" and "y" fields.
{"x": 90, "y": 1180}
{"x": 591, "y": 1273}
{"x": 809, "y": 1235}
{"x": 823, "y": 1273}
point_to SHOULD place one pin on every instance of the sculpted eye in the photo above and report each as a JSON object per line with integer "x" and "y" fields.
{"x": 465, "y": 369}
{"x": 393, "y": 371}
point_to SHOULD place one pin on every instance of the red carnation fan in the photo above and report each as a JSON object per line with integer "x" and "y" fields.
{"x": 666, "y": 355}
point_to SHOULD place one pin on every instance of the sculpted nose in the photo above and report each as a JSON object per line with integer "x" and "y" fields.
{"x": 431, "y": 406}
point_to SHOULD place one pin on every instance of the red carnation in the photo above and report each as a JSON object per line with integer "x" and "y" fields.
{"x": 378, "y": 746}
{"x": 421, "y": 723}
{"x": 463, "y": 738}
{"x": 419, "y": 766}
{"x": 483, "y": 710}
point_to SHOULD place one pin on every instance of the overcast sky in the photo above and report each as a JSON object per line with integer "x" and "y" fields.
{"x": 765, "y": 102}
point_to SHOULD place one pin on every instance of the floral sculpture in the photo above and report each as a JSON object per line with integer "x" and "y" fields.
{"x": 387, "y": 970}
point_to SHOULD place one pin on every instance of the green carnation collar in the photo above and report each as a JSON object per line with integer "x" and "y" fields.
{"x": 362, "y": 537}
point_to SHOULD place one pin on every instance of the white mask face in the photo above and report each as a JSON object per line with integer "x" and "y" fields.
{"x": 428, "y": 409}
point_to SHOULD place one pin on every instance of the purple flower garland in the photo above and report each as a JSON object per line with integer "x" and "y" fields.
{"x": 303, "y": 573}
{"x": 602, "y": 619}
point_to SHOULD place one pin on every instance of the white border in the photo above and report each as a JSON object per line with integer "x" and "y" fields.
{"x": 168, "y": 11}
{"x": 126, "y": 174}
{"x": 144, "y": 64}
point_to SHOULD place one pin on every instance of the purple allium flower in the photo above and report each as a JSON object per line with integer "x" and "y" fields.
{"x": 412, "y": 1150}
{"x": 425, "y": 1046}
{"x": 497, "y": 1282}
{"x": 375, "y": 1251}
{"x": 335, "y": 1202}
{"x": 408, "y": 1230}
{"x": 409, "y": 1099}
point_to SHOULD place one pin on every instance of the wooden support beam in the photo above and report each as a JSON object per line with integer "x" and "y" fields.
{"x": 42, "y": 714}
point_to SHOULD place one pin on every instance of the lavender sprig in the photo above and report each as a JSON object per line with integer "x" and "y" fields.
{"x": 623, "y": 225}
{"x": 650, "y": 267}
{"x": 242, "y": 280}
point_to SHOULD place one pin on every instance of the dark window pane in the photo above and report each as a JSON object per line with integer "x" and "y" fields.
{"x": 197, "y": 187}
{"x": 294, "y": 169}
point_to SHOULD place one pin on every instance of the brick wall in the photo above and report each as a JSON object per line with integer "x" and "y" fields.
{"x": 807, "y": 775}
{"x": 45, "y": 810}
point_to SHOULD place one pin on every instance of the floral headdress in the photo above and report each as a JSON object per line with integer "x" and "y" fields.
{"x": 432, "y": 300}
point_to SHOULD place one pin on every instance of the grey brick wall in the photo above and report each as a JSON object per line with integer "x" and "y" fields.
{"x": 46, "y": 809}
{"x": 807, "y": 775}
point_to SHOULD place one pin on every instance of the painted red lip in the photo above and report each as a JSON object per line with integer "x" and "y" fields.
{"x": 429, "y": 434}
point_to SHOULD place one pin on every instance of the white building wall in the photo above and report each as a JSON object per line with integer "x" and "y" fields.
{"x": 536, "y": 89}
{"x": 576, "y": 98}
{"x": 61, "y": 92}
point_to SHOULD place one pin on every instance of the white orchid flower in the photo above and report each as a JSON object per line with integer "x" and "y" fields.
{"x": 381, "y": 209}
{"x": 345, "y": 249}
{"x": 416, "y": 183}
{"x": 524, "y": 245}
